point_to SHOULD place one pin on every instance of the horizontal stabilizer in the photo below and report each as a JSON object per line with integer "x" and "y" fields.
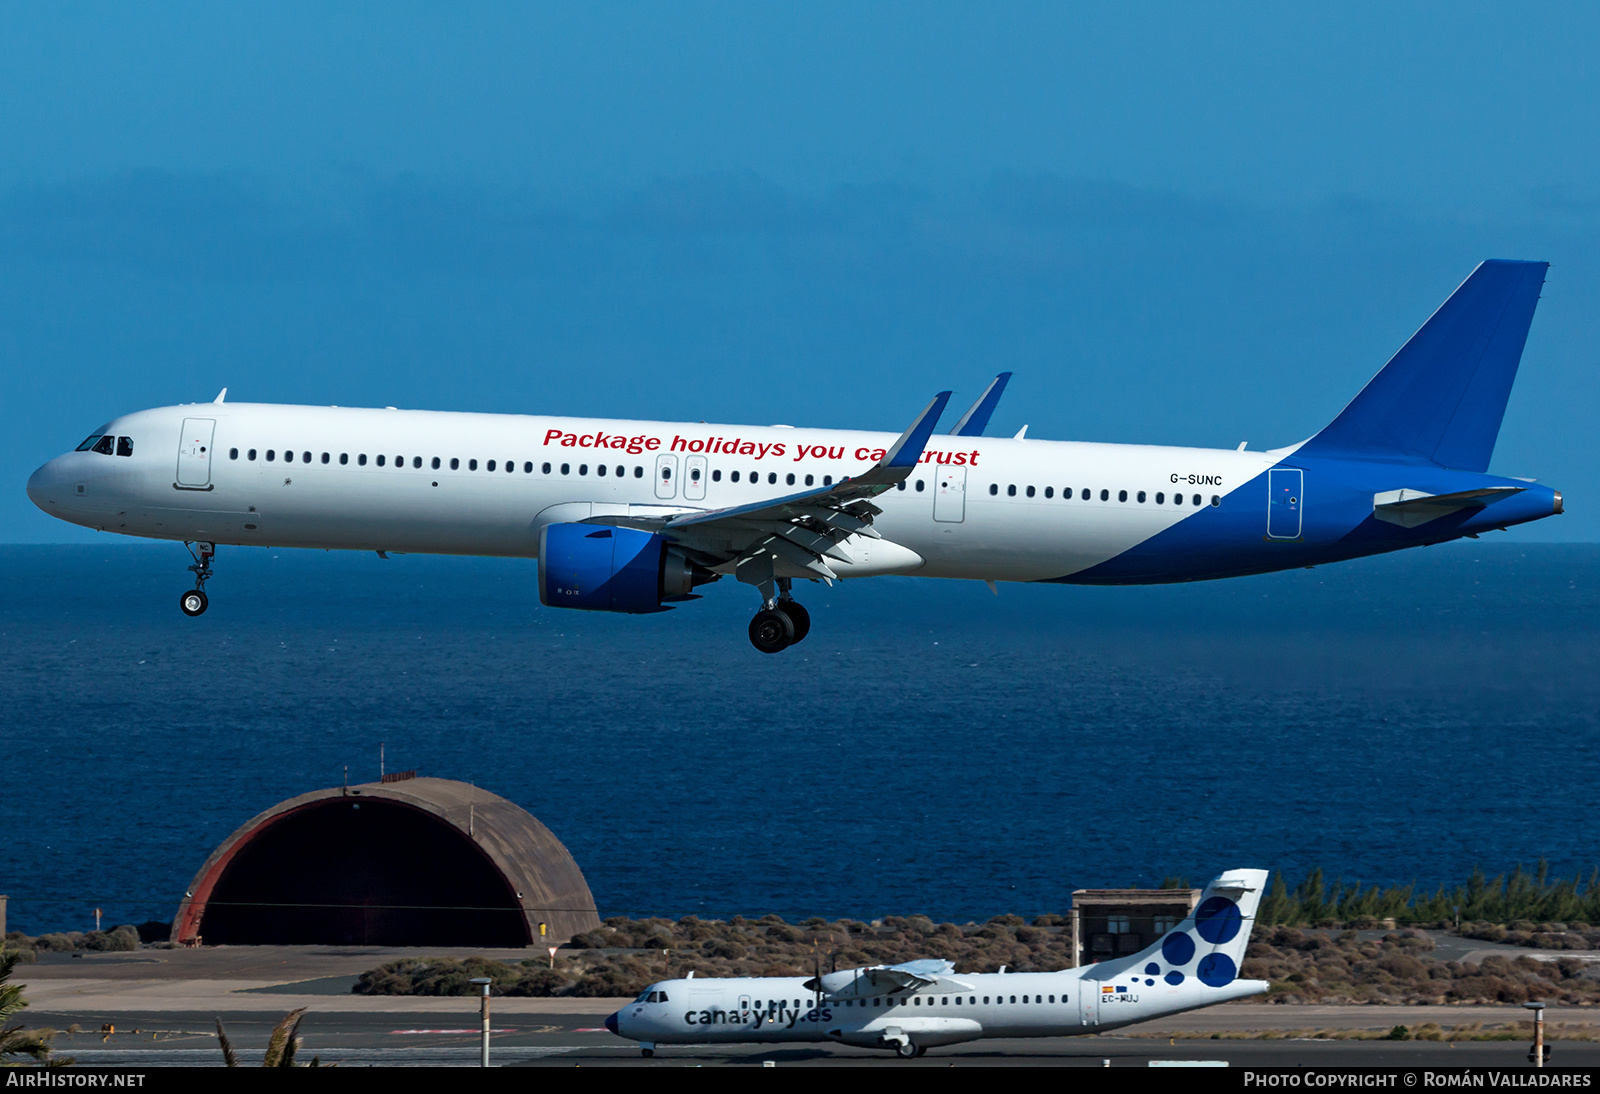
{"x": 1413, "y": 508}
{"x": 1442, "y": 397}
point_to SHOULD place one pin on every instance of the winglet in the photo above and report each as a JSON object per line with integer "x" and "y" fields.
{"x": 907, "y": 451}
{"x": 904, "y": 455}
{"x": 976, "y": 419}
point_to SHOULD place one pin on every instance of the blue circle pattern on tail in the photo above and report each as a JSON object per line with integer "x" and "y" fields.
{"x": 1216, "y": 970}
{"x": 1177, "y": 948}
{"x": 1217, "y": 920}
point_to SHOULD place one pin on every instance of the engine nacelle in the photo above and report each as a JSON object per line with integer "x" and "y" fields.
{"x": 601, "y": 568}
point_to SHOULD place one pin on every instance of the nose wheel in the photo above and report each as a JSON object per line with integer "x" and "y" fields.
{"x": 194, "y": 601}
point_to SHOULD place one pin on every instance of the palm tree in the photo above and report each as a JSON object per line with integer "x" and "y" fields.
{"x": 281, "y": 1045}
{"x": 15, "y": 1038}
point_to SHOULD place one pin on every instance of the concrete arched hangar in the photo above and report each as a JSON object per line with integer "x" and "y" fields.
{"x": 405, "y": 862}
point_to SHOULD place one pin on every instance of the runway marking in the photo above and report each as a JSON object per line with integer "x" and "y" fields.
{"x": 508, "y": 1029}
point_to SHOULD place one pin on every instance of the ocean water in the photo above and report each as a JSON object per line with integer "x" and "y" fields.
{"x": 930, "y": 748}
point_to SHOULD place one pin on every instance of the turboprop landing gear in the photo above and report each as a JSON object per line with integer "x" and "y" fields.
{"x": 194, "y": 602}
{"x": 907, "y": 1051}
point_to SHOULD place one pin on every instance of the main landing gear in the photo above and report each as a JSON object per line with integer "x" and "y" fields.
{"x": 194, "y": 601}
{"x": 780, "y": 624}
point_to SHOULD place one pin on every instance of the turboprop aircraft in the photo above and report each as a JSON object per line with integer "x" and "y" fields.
{"x": 633, "y": 516}
{"x": 919, "y": 1005}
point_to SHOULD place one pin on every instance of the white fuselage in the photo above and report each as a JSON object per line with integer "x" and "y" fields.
{"x": 484, "y": 484}
{"x": 957, "y": 1008}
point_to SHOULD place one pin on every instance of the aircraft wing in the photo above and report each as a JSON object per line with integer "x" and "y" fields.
{"x": 796, "y": 534}
{"x": 1411, "y": 508}
{"x": 881, "y": 979}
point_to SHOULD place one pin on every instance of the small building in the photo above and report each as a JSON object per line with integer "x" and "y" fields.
{"x": 403, "y": 862}
{"x": 1108, "y": 923}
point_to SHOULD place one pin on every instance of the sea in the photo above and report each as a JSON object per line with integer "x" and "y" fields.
{"x": 931, "y": 748}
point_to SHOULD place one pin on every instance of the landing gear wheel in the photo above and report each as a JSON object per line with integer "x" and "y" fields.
{"x": 907, "y": 1051}
{"x": 771, "y": 631}
{"x": 647, "y": 1052}
{"x": 798, "y": 616}
{"x": 193, "y": 603}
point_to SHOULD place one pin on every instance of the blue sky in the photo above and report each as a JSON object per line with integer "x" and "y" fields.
{"x": 1186, "y": 224}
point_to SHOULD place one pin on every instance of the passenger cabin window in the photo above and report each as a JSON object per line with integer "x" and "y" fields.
{"x": 455, "y": 464}
{"x": 380, "y": 459}
{"x": 472, "y": 465}
{"x": 362, "y": 459}
{"x": 344, "y": 458}
{"x": 233, "y": 453}
{"x": 250, "y": 455}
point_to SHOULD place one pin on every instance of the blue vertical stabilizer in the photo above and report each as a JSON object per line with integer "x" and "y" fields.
{"x": 1441, "y": 398}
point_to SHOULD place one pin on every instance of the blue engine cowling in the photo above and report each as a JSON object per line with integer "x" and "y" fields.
{"x": 600, "y": 568}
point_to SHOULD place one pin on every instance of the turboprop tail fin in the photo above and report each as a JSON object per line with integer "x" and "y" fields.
{"x": 1208, "y": 946}
{"x": 1442, "y": 397}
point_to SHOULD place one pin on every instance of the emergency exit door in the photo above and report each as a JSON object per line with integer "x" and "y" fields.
{"x": 950, "y": 495}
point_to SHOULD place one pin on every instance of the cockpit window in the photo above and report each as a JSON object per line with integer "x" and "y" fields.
{"x": 124, "y": 446}
{"x": 104, "y": 445}
{"x": 646, "y": 996}
{"x": 88, "y": 442}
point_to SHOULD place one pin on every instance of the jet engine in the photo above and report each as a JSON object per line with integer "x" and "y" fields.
{"x": 601, "y": 568}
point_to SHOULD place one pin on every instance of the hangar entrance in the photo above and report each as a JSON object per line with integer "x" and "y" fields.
{"x": 406, "y": 862}
{"x": 366, "y": 872}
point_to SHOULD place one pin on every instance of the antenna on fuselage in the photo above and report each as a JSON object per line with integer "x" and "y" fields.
{"x": 222, "y": 397}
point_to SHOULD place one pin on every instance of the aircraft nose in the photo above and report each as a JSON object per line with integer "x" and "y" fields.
{"x": 41, "y": 486}
{"x": 611, "y": 1024}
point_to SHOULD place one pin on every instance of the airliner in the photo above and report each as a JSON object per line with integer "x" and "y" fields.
{"x": 919, "y": 1005}
{"x": 633, "y": 516}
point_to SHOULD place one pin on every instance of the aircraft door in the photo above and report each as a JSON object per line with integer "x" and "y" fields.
{"x": 1285, "y": 486}
{"x": 950, "y": 495}
{"x": 694, "y": 478}
{"x": 1088, "y": 1002}
{"x": 194, "y": 453}
{"x": 666, "y": 476}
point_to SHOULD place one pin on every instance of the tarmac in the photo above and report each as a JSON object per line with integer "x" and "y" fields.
{"x": 164, "y": 1004}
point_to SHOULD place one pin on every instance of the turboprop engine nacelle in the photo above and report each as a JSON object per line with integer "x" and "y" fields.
{"x": 601, "y": 568}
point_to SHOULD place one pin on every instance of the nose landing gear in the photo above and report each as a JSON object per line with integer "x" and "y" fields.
{"x": 194, "y": 601}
